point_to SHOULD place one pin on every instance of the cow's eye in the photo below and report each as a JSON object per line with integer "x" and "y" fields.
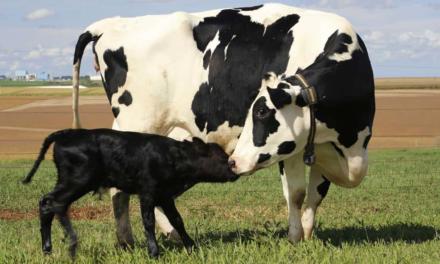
{"x": 262, "y": 113}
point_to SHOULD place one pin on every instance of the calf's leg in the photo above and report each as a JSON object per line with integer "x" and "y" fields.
{"x": 121, "y": 204}
{"x": 68, "y": 229}
{"x": 147, "y": 212}
{"x": 175, "y": 219}
{"x": 46, "y": 218}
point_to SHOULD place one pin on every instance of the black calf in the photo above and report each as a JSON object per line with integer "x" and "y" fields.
{"x": 156, "y": 168}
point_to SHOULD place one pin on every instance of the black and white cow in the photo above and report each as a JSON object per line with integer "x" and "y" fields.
{"x": 198, "y": 74}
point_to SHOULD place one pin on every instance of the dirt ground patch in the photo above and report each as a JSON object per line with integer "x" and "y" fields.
{"x": 404, "y": 119}
{"x": 76, "y": 213}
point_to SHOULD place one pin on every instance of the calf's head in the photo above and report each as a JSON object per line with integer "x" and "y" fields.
{"x": 276, "y": 127}
{"x": 211, "y": 163}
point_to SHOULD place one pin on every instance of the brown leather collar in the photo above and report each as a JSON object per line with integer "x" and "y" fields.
{"x": 308, "y": 93}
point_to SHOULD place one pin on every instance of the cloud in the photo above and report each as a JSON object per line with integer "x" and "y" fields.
{"x": 41, "y": 52}
{"x": 427, "y": 38}
{"x": 339, "y": 4}
{"x": 39, "y": 14}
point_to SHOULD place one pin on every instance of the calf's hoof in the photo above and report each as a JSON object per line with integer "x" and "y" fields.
{"x": 47, "y": 248}
{"x": 72, "y": 250}
{"x": 153, "y": 252}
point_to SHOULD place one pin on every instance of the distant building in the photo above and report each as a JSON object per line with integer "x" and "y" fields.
{"x": 95, "y": 78}
{"x": 3, "y": 77}
{"x": 20, "y": 75}
{"x": 31, "y": 77}
{"x": 66, "y": 78}
{"x": 43, "y": 76}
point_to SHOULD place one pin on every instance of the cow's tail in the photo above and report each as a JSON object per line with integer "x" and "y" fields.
{"x": 46, "y": 144}
{"x": 84, "y": 39}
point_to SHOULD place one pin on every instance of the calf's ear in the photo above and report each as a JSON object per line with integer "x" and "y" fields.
{"x": 199, "y": 144}
{"x": 198, "y": 141}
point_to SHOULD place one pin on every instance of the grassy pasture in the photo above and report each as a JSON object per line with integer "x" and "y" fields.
{"x": 393, "y": 217}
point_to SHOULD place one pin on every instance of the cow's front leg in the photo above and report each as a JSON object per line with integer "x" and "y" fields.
{"x": 316, "y": 192}
{"x": 294, "y": 189}
{"x": 121, "y": 202}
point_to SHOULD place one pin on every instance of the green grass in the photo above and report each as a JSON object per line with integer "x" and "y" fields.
{"x": 393, "y": 217}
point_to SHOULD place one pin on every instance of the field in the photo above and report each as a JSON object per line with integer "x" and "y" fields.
{"x": 393, "y": 217}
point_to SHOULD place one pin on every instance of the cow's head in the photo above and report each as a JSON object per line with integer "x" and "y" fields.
{"x": 276, "y": 127}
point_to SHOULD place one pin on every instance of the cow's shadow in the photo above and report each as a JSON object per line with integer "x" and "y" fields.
{"x": 404, "y": 232}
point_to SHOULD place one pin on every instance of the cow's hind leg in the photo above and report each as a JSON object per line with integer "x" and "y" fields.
{"x": 294, "y": 189}
{"x": 46, "y": 218}
{"x": 316, "y": 192}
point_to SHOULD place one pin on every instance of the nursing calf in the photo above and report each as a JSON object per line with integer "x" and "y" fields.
{"x": 156, "y": 168}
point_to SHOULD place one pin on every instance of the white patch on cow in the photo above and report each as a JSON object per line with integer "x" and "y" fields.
{"x": 270, "y": 13}
{"x": 227, "y": 46}
{"x": 212, "y": 45}
{"x": 225, "y": 136}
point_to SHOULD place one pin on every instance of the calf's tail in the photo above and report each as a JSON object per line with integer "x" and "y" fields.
{"x": 46, "y": 144}
{"x": 84, "y": 39}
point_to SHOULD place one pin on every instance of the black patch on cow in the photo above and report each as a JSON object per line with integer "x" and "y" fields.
{"x": 279, "y": 97}
{"x": 299, "y": 101}
{"x": 263, "y": 157}
{"x": 283, "y": 85}
{"x": 281, "y": 167}
{"x": 264, "y": 121}
{"x": 286, "y": 147}
{"x": 234, "y": 80}
{"x": 206, "y": 59}
{"x": 116, "y": 72}
{"x": 115, "y": 111}
{"x": 125, "y": 98}
{"x": 345, "y": 89}
{"x": 338, "y": 150}
{"x": 323, "y": 187}
{"x": 250, "y": 8}
{"x": 367, "y": 139}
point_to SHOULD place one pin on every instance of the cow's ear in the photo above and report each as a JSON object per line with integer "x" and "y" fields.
{"x": 269, "y": 79}
{"x": 280, "y": 96}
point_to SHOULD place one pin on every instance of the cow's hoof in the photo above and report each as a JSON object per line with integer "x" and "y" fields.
{"x": 295, "y": 237}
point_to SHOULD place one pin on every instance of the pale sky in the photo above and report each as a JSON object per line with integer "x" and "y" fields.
{"x": 403, "y": 37}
